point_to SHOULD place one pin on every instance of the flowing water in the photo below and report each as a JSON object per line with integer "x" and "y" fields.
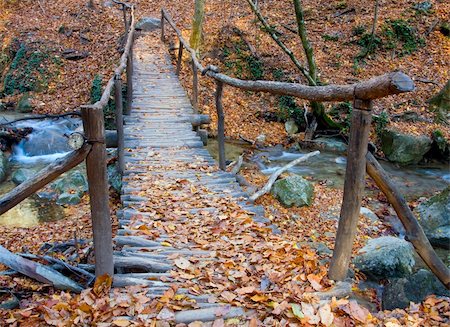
{"x": 44, "y": 145}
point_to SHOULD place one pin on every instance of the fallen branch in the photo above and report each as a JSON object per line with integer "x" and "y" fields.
{"x": 414, "y": 231}
{"x": 39, "y": 117}
{"x": 38, "y": 271}
{"x": 276, "y": 174}
{"x": 76, "y": 270}
{"x": 238, "y": 165}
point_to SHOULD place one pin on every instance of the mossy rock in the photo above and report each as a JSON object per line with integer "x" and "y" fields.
{"x": 404, "y": 149}
{"x": 24, "y": 105}
{"x": 294, "y": 191}
{"x": 21, "y": 175}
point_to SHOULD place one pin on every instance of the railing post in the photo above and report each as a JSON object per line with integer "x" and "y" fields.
{"x": 180, "y": 58}
{"x": 125, "y": 21}
{"x": 353, "y": 188}
{"x": 129, "y": 72}
{"x": 119, "y": 121}
{"x": 93, "y": 124}
{"x": 194, "y": 87}
{"x": 162, "y": 24}
{"x": 220, "y": 125}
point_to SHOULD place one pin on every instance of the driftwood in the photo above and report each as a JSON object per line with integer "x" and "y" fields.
{"x": 276, "y": 174}
{"x": 45, "y": 176}
{"x": 64, "y": 265}
{"x": 414, "y": 231}
{"x": 238, "y": 165}
{"x": 38, "y": 271}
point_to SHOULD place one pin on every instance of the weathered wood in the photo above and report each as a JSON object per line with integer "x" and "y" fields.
{"x": 129, "y": 73}
{"x": 38, "y": 271}
{"x": 198, "y": 120}
{"x": 194, "y": 87}
{"x": 220, "y": 125}
{"x": 277, "y": 173}
{"x": 162, "y": 24}
{"x": 124, "y": 59}
{"x": 180, "y": 58}
{"x": 42, "y": 178}
{"x": 119, "y": 122}
{"x": 353, "y": 188}
{"x": 93, "y": 124}
{"x": 207, "y": 314}
{"x": 414, "y": 231}
{"x": 139, "y": 263}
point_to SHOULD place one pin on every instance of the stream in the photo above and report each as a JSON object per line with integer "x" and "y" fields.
{"x": 48, "y": 142}
{"x": 44, "y": 145}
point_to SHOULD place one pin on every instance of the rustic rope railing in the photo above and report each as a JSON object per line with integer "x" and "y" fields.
{"x": 93, "y": 151}
{"x": 362, "y": 94}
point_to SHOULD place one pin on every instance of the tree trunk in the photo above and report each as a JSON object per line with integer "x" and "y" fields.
{"x": 197, "y": 23}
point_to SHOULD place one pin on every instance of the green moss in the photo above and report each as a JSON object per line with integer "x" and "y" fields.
{"x": 288, "y": 109}
{"x": 381, "y": 121}
{"x": 399, "y": 33}
{"x": 239, "y": 61}
{"x": 330, "y": 37}
{"x": 342, "y": 113}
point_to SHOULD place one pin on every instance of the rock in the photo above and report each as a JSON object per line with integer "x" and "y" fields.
{"x": 72, "y": 183}
{"x": 4, "y": 165}
{"x": 293, "y": 191}
{"x": 385, "y": 257}
{"x": 400, "y": 291}
{"x": 69, "y": 198}
{"x": 260, "y": 139}
{"x": 291, "y": 127}
{"x": 369, "y": 214}
{"x": 148, "y": 24}
{"x": 434, "y": 217}
{"x": 331, "y": 145}
{"x": 21, "y": 175}
{"x": 24, "y": 104}
{"x": 404, "y": 149}
{"x": 72, "y": 54}
{"x": 114, "y": 178}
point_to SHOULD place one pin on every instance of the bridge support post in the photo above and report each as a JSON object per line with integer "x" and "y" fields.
{"x": 353, "y": 188}
{"x": 220, "y": 125}
{"x": 129, "y": 82}
{"x": 194, "y": 87}
{"x": 162, "y": 24}
{"x": 94, "y": 130}
{"x": 119, "y": 121}
{"x": 180, "y": 58}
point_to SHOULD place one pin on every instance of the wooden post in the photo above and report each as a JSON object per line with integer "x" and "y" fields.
{"x": 194, "y": 87}
{"x": 353, "y": 188}
{"x": 129, "y": 82}
{"x": 162, "y": 24}
{"x": 93, "y": 124}
{"x": 125, "y": 21}
{"x": 180, "y": 58}
{"x": 119, "y": 121}
{"x": 220, "y": 125}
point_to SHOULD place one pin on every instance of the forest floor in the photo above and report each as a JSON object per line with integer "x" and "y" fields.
{"x": 68, "y": 24}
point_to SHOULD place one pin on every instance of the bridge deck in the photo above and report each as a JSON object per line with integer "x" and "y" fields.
{"x": 169, "y": 178}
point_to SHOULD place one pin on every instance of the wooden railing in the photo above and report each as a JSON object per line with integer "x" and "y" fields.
{"x": 362, "y": 94}
{"x": 93, "y": 151}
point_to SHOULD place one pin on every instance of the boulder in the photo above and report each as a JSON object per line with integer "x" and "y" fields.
{"x": 369, "y": 214}
{"x": 331, "y": 144}
{"x": 73, "y": 183}
{"x": 21, "y": 175}
{"x": 4, "y": 165}
{"x": 404, "y": 149}
{"x": 69, "y": 198}
{"x": 385, "y": 257}
{"x": 148, "y": 24}
{"x": 434, "y": 217}
{"x": 291, "y": 127}
{"x": 24, "y": 105}
{"x": 293, "y": 191}
{"x": 415, "y": 288}
{"x": 114, "y": 178}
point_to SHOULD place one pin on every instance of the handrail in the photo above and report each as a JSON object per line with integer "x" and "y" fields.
{"x": 378, "y": 87}
{"x": 119, "y": 70}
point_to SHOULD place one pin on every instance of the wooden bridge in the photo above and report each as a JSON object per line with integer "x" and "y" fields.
{"x": 170, "y": 179}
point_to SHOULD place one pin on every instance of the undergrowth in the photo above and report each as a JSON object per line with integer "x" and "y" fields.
{"x": 239, "y": 60}
{"x": 289, "y": 109}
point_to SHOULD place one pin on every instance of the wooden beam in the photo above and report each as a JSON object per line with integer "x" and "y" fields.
{"x": 353, "y": 188}
{"x": 93, "y": 124}
{"x": 119, "y": 122}
{"x": 414, "y": 231}
{"x": 42, "y": 178}
{"x": 194, "y": 87}
{"x": 162, "y": 24}
{"x": 220, "y": 125}
{"x": 180, "y": 58}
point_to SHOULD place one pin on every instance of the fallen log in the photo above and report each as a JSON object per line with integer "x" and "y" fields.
{"x": 38, "y": 271}
{"x": 414, "y": 231}
{"x": 42, "y": 178}
{"x": 197, "y": 120}
{"x": 208, "y": 314}
{"x": 276, "y": 174}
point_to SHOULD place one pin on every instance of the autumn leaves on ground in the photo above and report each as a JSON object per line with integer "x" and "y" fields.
{"x": 276, "y": 276}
